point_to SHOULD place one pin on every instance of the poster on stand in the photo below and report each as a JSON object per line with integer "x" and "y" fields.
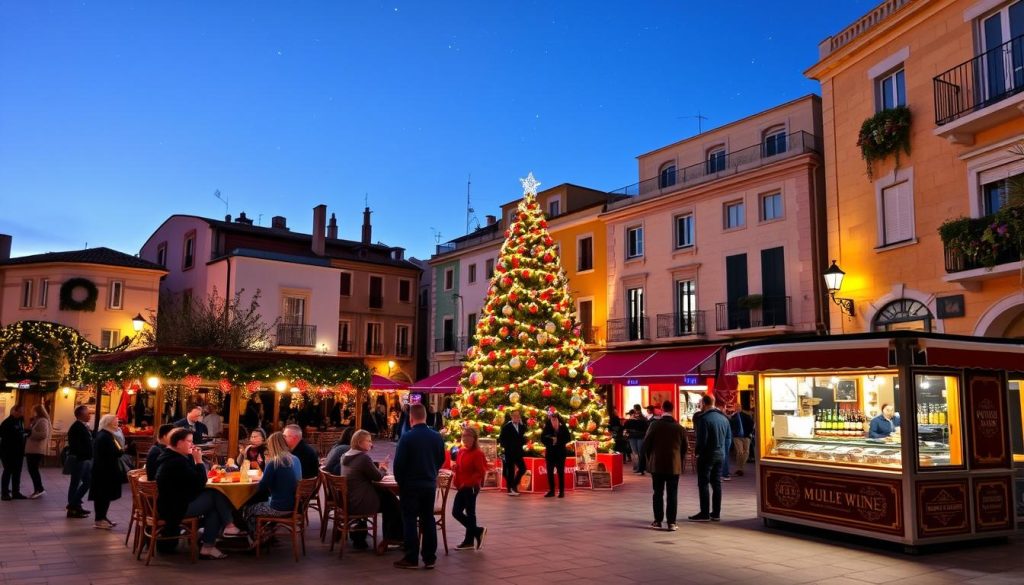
{"x": 586, "y": 455}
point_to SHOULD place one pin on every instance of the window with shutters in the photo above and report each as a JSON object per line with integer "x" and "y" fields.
{"x": 345, "y": 288}
{"x": 116, "y": 298}
{"x": 26, "y": 294}
{"x": 471, "y": 273}
{"x": 897, "y": 214}
{"x": 996, "y": 184}
{"x": 584, "y": 254}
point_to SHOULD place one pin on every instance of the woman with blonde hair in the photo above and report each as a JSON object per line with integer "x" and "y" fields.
{"x": 35, "y": 447}
{"x": 364, "y": 496}
{"x": 105, "y": 485}
{"x": 281, "y": 474}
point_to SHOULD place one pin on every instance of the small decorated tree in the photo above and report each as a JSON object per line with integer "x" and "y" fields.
{"x": 529, "y": 354}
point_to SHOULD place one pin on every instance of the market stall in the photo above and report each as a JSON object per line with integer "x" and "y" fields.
{"x": 899, "y": 436}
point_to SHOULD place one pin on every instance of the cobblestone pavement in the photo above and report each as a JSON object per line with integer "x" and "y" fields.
{"x": 588, "y": 536}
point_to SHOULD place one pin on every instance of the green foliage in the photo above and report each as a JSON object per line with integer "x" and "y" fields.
{"x": 884, "y": 134}
{"x": 62, "y": 350}
{"x": 215, "y": 323}
{"x": 67, "y": 299}
{"x": 986, "y": 241}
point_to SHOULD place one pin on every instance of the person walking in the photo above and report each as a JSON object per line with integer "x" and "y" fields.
{"x": 79, "y": 462}
{"x": 418, "y": 457}
{"x": 36, "y": 445}
{"x": 555, "y": 438}
{"x": 712, "y": 429}
{"x": 12, "y": 452}
{"x": 470, "y": 468}
{"x": 665, "y": 449}
{"x": 742, "y": 424}
{"x": 635, "y": 428}
{"x": 105, "y": 482}
{"x": 512, "y": 439}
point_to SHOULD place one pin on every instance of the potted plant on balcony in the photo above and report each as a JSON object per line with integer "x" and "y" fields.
{"x": 884, "y": 134}
{"x": 753, "y": 301}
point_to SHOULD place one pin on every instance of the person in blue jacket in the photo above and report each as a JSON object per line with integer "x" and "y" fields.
{"x": 885, "y": 424}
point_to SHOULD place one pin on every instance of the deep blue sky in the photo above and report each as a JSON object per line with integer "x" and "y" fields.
{"x": 115, "y": 115}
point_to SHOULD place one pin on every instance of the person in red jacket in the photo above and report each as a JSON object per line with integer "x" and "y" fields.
{"x": 470, "y": 467}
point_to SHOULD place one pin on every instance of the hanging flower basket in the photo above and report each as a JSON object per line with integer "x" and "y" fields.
{"x": 884, "y": 134}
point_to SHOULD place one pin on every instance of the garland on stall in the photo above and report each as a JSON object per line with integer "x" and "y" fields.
{"x": 44, "y": 336}
{"x": 67, "y": 295}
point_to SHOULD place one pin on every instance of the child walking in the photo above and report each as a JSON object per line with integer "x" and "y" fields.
{"x": 470, "y": 467}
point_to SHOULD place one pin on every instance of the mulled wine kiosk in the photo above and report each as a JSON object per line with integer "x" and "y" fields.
{"x": 901, "y": 436}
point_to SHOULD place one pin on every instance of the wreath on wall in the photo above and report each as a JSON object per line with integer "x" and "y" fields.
{"x": 67, "y": 295}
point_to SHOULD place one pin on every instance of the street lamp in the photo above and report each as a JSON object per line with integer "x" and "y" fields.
{"x": 391, "y": 366}
{"x": 138, "y": 322}
{"x": 834, "y": 281}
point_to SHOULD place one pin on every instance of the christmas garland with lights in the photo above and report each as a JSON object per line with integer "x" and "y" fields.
{"x": 44, "y": 336}
{"x": 67, "y": 295}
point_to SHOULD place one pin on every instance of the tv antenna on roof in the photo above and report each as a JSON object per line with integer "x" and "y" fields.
{"x": 437, "y": 235}
{"x": 217, "y": 194}
{"x": 700, "y": 118}
{"x": 469, "y": 206}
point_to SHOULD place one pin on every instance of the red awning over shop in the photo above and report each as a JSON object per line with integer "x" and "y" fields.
{"x": 810, "y": 356}
{"x": 444, "y": 382}
{"x": 650, "y": 366}
{"x": 382, "y": 383}
{"x": 969, "y": 354}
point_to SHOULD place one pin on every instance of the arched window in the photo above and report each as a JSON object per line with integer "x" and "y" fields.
{"x": 903, "y": 315}
{"x": 667, "y": 176}
{"x": 774, "y": 141}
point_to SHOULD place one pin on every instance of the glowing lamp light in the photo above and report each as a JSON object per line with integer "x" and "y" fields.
{"x": 153, "y": 382}
{"x": 138, "y": 322}
{"x": 281, "y": 385}
{"x": 833, "y": 282}
{"x": 66, "y": 391}
{"x": 294, "y": 390}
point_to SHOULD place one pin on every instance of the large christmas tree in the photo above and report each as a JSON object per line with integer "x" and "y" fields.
{"x": 529, "y": 354}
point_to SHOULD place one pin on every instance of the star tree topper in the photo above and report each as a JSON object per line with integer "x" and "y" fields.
{"x": 530, "y": 185}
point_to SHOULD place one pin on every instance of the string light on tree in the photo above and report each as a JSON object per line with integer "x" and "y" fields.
{"x": 529, "y": 356}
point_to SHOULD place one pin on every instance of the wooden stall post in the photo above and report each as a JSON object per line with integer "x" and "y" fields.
{"x": 237, "y": 404}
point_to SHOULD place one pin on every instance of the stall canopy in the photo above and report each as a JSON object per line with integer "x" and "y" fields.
{"x": 819, "y": 354}
{"x": 382, "y": 383}
{"x": 444, "y": 382}
{"x": 650, "y": 366}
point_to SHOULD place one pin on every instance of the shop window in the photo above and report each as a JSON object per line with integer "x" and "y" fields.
{"x": 903, "y": 315}
{"x": 937, "y": 403}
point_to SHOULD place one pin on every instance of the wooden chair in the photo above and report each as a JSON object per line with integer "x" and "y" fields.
{"x": 328, "y": 504}
{"x": 691, "y": 454}
{"x": 142, "y": 447}
{"x": 152, "y": 525}
{"x": 327, "y": 440}
{"x": 295, "y": 523}
{"x": 444, "y": 485}
{"x": 135, "y": 518}
{"x": 344, "y": 523}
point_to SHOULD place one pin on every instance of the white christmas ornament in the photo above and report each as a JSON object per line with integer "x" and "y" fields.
{"x": 506, "y": 310}
{"x": 514, "y": 398}
{"x": 514, "y": 363}
{"x": 549, "y": 327}
{"x": 542, "y": 338}
{"x": 573, "y": 373}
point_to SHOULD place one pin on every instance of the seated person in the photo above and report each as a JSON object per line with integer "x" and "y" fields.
{"x": 256, "y": 450}
{"x": 193, "y": 422}
{"x": 280, "y": 479}
{"x": 885, "y": 423}
{"x": 364, "y": 497}
{"x": 308, "y": 458}
{"x": 333, "y": 462}
{"x": 181, "y": 483}
{"x": 158, "y": 448}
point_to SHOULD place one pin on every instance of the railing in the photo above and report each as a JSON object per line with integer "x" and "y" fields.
{"x": 345, "y": 346}
{"x": 447, "y": 247}
{"x": 734, "y": 162}
{"x": 296, "y": 335}
{"x": 589, "y": 334}
{"x": 376, "y": 301}
{"x": 620, "y": 330}
{"x": 980, "y": 82}
{"x": 374, "y": 349}
{"x": 681, "y": 324}
{"x": 957, "y": 261}
{"x": 773, "y": 311}
{"x": 449, "y": 343}
{"x": 402, "y": 349}
{"x": 860, "y": 26}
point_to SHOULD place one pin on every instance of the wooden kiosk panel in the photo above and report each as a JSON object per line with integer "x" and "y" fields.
{"x": 993, "y": 503}
{"x": 942, "y": 508}
{"x": 986, "y": 421}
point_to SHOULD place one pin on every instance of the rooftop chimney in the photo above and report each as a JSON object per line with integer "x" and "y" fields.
{"x": 242, "y": 219}
{"x": 5, "y": 247}
{"x": 319, "y": 221}
{"x": 491, "y": 220}
{"x": 398, "y": 253}
{"x": 332, "y": 228}
{"x": 367, "y": 229}
{"x": 278, "y": 222}
{"x": 227, "y": 218}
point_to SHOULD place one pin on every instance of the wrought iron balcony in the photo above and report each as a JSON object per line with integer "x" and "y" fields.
{"x": 681, "y": 324}
{"x": 296, "y": 335}
{"x": 376, "y": 301}
{"x": 589, "y": 334}
{"x": 449, "y": 343}
{"x": 374, "y": 349}
{"x": 621, "y": 330}
{"x": 770, "y": 312}
{"x": 977, "y": 83}
{"x": 403, "y": 349}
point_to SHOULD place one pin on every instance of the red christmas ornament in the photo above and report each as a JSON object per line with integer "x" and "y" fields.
{"x": 531, "y": 422}
{"x": 506, "y": 282}
{"x": 501, "y": 268}
{"x": 543, "y": 223}
{"x": 515, "y": 262}
{"x": 546, "y": 392}
{"x": 531, "y": 363}
{"x": 225, "y": 385}
{"x": 503, "y": 331}
{"x": 525, "y": 273}
{"x": 573, "y": 422}
{"x": 548, "y": 240}
{"x": 533, "y": 328}
{"x": 512, "y": 297}
{"x": 586, "y": 436}
{"x": 563, "y": 371}
{"x": 548, "y": 257}
{"x": 567, "y": 324}
{"x": 550, "y": 278}
{"x": 491, "y": 356}
{"x": 533, "y": 308}
{"x": 453, "y": 413}
{"x": 469, "y": 399}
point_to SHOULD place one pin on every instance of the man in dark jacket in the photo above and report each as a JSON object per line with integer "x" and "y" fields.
{"x": 158, "y": 448}
{"x": 635, "y": 428}
{"x": 304, "y": 451}
{"x": 665, "y": 449}
{"x": 181, "y": 486}
{"x": 712, "y": 430}
{"x": 418, "y": 456}
{"x": 512, "y": 439}
{"x": 193, "y": 422}
{"x": 12, "y": 452}
{"x": 79, "y": 462}
{"x": 742, "y": 426}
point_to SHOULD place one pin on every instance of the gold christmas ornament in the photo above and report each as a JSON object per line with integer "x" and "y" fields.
{"x": 549, "y": 327}
{"x": 514, "y": 398}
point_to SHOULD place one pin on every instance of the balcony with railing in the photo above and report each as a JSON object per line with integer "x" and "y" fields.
{"x": 296, "y": 335}
{"x": 345, "y": 346}
{"x": 623, "y": 330}
{"x": 681, "y": 324}
{"x": 731, "y": 163}
{"x": 766, "y": 312}
{"x": 980, "y": 93}
{"x": 403, "y": 350}
{"x": 982, "y": 248}
{"x": 374, "y": 349}
{"x": 449, "y": 343}
{"x": 376, "y": 301}
{"x": 590, "y": 334}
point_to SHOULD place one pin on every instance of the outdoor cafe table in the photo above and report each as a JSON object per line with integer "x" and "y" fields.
{"x": 237, "y": 492}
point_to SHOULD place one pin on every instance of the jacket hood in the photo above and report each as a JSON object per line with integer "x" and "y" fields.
{"x": 352, "y": 454}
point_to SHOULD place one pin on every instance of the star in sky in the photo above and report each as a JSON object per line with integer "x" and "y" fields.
{"x": 530, "y": 185}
